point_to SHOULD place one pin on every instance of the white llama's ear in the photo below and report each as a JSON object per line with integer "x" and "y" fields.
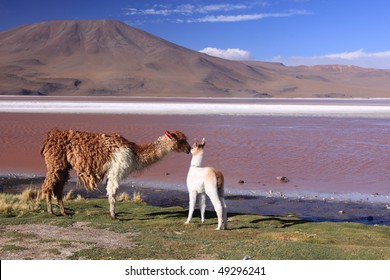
{"x": 195, "y": 143}
{"x": 203, "y": 142}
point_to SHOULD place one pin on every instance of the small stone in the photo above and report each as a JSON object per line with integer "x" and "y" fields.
{"x": 341, "y": 212}
{"x": 370, "y": 218}
{"x": 282, "y": 179}
{"x": 241, "y": 181}
{"x": 167, "y": 173}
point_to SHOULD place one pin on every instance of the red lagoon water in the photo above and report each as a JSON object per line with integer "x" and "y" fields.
{"x": 316, "y": 154}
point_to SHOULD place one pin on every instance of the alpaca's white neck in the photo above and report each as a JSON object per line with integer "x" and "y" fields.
{"x": 149, "y": 154}
{"x": 197, "y": 159}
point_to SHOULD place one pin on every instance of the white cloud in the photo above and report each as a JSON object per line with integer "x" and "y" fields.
{"x": 222, "y": 18}
{"x": 359, "y": 58}
{"x": 232, "y": 54}
{"x": 345, "y": 55}
{"x": 247, "y": 17}
{"x": 190, "y": 13}
{"x": 184, "y": 9}
{"x": 221, "y": 7}
{"x": 161, "y": 10}
{"x": 229, "y": 18}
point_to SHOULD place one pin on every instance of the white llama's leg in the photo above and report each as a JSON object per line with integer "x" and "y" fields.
{"x": 224, "y": 210}
{"x": 192, "y": 196}
{"x": 112, "y": 187}
{"x": 202, "y": 206}
{"x": 213, "y": 194}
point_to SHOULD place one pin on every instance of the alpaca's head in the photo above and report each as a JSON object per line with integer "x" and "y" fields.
{"x": 178, "y": 141}
{"x": 198, "y": 147}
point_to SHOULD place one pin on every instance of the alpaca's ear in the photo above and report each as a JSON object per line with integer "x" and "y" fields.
{"x": 203, "y": 142}
{"x": 168, "y": 135}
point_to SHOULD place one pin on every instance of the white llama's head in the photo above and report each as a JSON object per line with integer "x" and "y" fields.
{"x": 198, "y": 147}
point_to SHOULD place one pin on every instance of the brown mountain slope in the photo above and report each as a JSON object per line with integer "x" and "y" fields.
{"x": 105, "y": 57}
{"x": 327, "y": 81}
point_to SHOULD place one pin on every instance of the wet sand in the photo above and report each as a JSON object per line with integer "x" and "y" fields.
{"x": 325, "y": 158}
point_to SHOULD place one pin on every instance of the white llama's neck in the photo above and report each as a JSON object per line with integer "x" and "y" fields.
{"x": 197, "y": 159}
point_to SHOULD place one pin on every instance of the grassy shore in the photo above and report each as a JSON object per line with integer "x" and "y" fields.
{"x": 143, "y": 231}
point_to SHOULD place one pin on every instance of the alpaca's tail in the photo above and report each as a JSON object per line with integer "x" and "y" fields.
{"x": 45, "y": 143}
{"x": 43, "y": 148}
{"x": 54, "y": 135}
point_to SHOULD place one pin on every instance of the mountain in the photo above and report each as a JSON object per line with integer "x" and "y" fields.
{"x": 104, "y": 57}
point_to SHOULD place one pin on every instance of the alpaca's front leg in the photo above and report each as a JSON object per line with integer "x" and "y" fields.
{"x": 192, "y": 196}
{"x": 111, "y": 201}
{"x": 112, "y": 187}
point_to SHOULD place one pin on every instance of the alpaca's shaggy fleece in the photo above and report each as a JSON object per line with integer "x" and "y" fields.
{"x": 87, "y": 153}
{"x": 95, "y": 155}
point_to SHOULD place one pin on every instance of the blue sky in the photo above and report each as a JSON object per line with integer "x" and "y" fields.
{"x": 294, "y": 32}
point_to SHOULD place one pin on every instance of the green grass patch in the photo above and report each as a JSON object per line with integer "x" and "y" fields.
{"x": 12, "y": 247}
{"x": 160, "y": 233}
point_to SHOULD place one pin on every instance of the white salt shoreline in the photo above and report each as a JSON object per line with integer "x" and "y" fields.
{"x": 300, "y": 107}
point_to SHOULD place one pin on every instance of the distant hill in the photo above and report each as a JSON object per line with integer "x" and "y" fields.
{"x": 104, "y": 57}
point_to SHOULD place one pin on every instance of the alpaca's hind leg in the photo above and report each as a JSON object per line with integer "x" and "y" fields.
{"x": 62, "y": 178}
{"x": 61, "y": 205}
{"x": 54, "y": 182}
{"x": 192, "y": 197}
{"x": 58, "y": 194}
{"x": 48, "y": 195}
{"x": 47, "y": 189}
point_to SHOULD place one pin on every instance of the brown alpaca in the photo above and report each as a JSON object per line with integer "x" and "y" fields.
{"x": 94, "y": 156}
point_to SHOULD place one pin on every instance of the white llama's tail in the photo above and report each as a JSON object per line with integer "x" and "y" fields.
{"x": 221, "y": 195}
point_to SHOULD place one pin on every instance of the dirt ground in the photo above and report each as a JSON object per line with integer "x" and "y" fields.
{"x": 49, "y": 242}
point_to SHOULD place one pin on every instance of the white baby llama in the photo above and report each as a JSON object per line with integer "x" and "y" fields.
{"x": 202, "y": 181}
